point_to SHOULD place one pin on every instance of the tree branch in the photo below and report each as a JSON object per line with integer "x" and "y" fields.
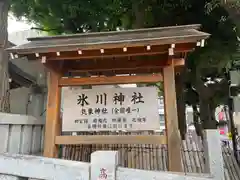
{"x": 42, "y": 29}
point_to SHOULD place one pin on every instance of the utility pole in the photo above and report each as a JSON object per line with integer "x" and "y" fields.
{"x": 234, "y": 90}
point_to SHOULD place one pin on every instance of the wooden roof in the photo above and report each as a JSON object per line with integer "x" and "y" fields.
{"x": 19, "y": 78}
{"x": 162, "y": 35}
{"x": 140, "y": 49}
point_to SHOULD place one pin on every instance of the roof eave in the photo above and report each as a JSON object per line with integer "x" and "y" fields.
{"x": 119, "y": 44}
{"x": 144, "y": 30}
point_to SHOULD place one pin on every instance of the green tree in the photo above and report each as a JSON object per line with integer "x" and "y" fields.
{"x": 77, "y": 16}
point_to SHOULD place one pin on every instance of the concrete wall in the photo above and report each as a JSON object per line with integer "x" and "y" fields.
{"x": 22, "y": 100}
{"x": 103, "y": 166}
{"x": 19, "y": 99}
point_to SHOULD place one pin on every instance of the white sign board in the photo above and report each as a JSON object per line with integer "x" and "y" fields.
{"x": 110, "y": 109}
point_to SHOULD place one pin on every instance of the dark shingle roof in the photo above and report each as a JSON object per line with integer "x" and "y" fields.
{"x": 162, "y": 35}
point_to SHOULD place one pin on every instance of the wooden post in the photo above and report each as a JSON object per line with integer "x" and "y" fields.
{"x": 52, "y": 128}
{"x": 171, "y": 120}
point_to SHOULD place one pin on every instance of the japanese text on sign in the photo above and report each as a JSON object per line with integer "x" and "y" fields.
{"x": 110, "y": 109}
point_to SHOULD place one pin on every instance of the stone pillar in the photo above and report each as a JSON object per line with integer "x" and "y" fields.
{"x": 213, "y": 154}
{"x": 236, "y": 115}
{"x": 103, "y": 165}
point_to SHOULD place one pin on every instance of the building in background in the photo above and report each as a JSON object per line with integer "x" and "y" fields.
{"x": 188, "y": 112}
{"x": 28, "y": 80}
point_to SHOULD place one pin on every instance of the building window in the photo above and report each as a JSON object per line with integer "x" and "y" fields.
{"x": 162, "y": 119}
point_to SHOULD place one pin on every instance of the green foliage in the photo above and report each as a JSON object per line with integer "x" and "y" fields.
{"x": 64, "y": 16}
{"x": 77, "y": 16}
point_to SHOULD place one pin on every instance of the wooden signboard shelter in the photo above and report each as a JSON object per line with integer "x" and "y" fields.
{"x": 120, "y": 57}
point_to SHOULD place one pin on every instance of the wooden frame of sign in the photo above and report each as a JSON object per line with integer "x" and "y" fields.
{"x": 144, "y": 55}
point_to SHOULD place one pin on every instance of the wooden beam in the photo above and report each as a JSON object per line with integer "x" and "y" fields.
{"x": 177, "y": 62}
{"x": 173, "y": 135}
{"x": 154, "y": 70}
{"x": 116, "y": 63}
{"x": 52, "y": 128}
{"x": 102, "y": 69}
{"x": 118, "y": 52}
{"x": 110, "y": 139}
{"x": 128, "y": 65}
{"x": 103, "y": 80}
{"x": 54, "y": 67}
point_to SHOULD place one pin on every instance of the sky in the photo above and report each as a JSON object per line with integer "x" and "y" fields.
{"x": 15, "y": 25}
